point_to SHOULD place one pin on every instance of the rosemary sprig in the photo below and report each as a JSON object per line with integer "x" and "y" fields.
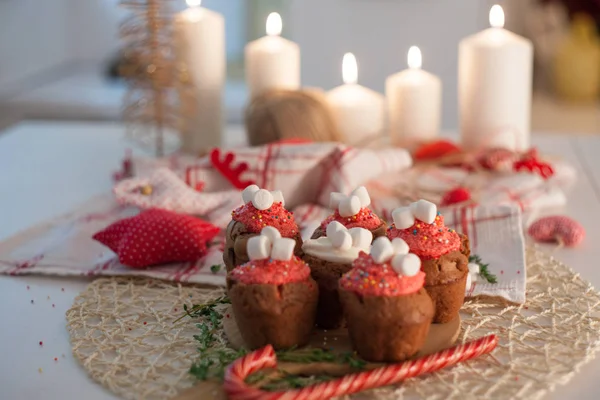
{"x": 214, "y": 357}
{"x": 203, "y": 310}
{"x": 483, "y": 269}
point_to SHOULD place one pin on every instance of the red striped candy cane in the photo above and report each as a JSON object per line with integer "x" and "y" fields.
{"x": 237, "y": 389}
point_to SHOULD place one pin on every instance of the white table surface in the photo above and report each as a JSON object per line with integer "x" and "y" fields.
{"x": 47, "y": 168}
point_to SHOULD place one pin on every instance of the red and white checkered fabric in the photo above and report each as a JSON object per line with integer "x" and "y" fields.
{"x": 65, "y": 247}
{"x": 305, "y": 173}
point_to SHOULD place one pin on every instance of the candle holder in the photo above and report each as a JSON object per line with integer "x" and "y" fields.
{"x": 286, "y": 114}
{"x": 150, "y": 108}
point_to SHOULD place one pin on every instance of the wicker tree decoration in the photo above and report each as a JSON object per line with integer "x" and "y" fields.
{"x": 150, "y": 105}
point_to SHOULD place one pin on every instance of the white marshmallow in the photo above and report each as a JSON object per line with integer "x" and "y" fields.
{"x": 382, "y": 250}
{"x": 406, "y": 264}
{"x": 248, "y": 193}
{"x": 341, "y": 240}
{"x": 283, "y": 249}
{"x": 335, "y": 198}
{"x": 333, "y": 227}
{"x": 278, "y": 197}
{"x": 262, "y": 199}
{"x": 425, "y": 211}
{"x": 400, "y": 246}
{"x": 258, "y": 247}
{"x": 349, "y": 206}
{"x": 473, "y": 268}
{"x": 361, "y": 238}
{"x": 469, "y": 282}
{"x": 363, "y": 195}
{"x": 403, "y": 217}
{"x": 271, "y": 233}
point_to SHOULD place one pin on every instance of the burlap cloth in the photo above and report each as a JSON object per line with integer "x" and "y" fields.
{"x": 123, "y": 334}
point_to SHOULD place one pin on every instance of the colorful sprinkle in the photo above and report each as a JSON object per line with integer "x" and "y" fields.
{"x": 41, "y": 343}
{"x": 430, "y": 241}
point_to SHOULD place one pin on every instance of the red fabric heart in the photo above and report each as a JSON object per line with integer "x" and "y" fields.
{"x": 157, "y": 237}
{"x": 456, "y": 196}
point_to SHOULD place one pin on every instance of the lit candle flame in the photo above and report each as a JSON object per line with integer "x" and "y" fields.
{"x": 274, "y": 24}
{"x": 497, "y": 16}
{"x": 193, "y": 3}
{"x": 415, "y": 60}
{"x": 349, "y": 69}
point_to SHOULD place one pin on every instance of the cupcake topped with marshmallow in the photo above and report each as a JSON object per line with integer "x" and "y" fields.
{"x": 421, "y": 225}
{"x": 265, "y": 208}
{"x": 444, "y": 255}
{"x": 262, "y": 208}
{"x": 340, "y": 244}
{"x": 273, "y": 296}
{"x": 352, "y": 211}
{"x": 390, "y": 270}
{"x": 272, "y": 261}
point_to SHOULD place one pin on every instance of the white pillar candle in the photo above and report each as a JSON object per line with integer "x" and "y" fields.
{"x": 272, "y": 62}
{"x": 200, "y": 48}
{"x": 358, "y": 111}
{"x": 414, "y": 99}
{"x": 494, "y": 78}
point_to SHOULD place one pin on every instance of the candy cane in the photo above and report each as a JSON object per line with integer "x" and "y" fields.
{"x": 236, "y": 373}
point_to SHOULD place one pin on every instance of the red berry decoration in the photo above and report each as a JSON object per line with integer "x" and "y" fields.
{"x": 437, "y": 149}
{"x": 157, "y": 237}
{"x": 455, "y": 196}
{"x": 557, "y": 229}
{"x": 530, "y": 162}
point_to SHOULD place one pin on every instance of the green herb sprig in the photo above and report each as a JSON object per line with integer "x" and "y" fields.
{"x": 204, "y": 310}
{"x": 214, "y": 357}
{"x": 483, "y": 269}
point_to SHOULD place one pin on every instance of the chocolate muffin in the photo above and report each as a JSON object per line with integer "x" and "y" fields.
{"x": 248, "y": 220}
{"x": 388, "y": 314}
{"x": 274, "y": 300}
{"x": 353, "y": 212}
{"x": 444, "y": 255}
{"x": 329, "y": 257}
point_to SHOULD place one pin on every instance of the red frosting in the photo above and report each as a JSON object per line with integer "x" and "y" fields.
{"x": 276, "y": 216}
{"x": 270, "y": 271}
{"x": 368, "y": 278}
{"x": 428, "y": 240}
{"x": 364, "y": 219}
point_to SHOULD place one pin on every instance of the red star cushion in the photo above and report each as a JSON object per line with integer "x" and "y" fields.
{"x": 157, "y": 237}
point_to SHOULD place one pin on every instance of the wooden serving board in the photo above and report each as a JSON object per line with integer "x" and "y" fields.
{"x": 441, "y": 336}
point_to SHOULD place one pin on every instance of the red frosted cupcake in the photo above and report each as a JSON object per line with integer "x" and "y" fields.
{"x": 353, "y": 212}
{"x": 387, "y": 311}
{"x": 329, "y": 257}
{"x": 273, "y": 296}
{"x": 262, "y": 208}
{"x": 443, "y": 252}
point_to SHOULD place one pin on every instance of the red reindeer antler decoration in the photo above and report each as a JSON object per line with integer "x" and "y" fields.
{"x": 228, "y": 170}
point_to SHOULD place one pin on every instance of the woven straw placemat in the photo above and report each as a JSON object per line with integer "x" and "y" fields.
{"x": 123, "y": 334}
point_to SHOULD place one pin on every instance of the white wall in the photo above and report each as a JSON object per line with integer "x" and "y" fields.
{"x": 33, "y": 38}
{"x": 379, "y": 33}
{"x": 94, "y": 26}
